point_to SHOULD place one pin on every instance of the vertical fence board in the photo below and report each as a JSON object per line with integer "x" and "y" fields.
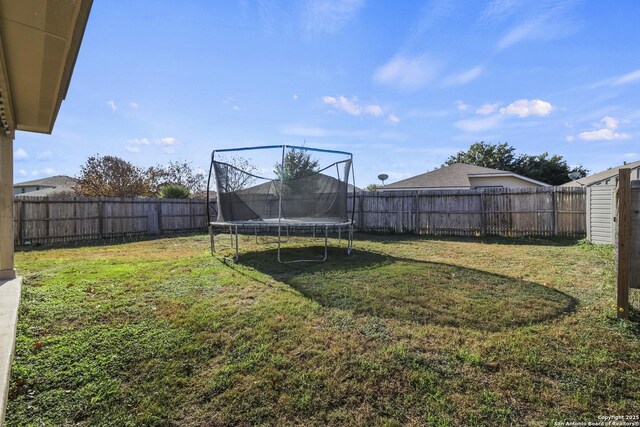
{"x": 504, "y": 212}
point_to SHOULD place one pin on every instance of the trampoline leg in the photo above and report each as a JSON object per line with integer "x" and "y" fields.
{"x": 326, "y": 243}
{"x": 339, "y": 235}
{"x": 211, "y": 237}
{"x": 279, "y": 260}
{"x": 235, "y": 258}
{"x": 350, "y": 240}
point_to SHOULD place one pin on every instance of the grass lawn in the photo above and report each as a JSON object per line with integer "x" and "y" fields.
{"x": 406, "y": 331}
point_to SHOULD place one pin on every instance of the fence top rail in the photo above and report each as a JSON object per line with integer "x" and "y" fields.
{"x": 475, "y": 191}
{"x": 83, "y": 199}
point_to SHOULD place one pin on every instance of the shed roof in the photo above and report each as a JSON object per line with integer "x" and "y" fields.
{"x": 601, "y": 176}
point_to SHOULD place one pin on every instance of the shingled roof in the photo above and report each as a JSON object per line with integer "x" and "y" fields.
{"x": 604, "y": 175}
{"x": 453, "y": 176}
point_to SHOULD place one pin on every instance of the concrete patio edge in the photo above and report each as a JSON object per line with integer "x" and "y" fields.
{"x": 10, "y": 291}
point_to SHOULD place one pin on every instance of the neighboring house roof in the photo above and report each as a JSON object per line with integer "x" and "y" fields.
{"x": 455, "y": 176}
{"x": 604, "y": 175}
{"x": 48, "y": 186}
{"x": 52, "y": 181}
{"x": 321, "y": 179}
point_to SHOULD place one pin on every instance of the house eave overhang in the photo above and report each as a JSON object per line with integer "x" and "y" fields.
{"x": 39, "y": 45}
{"x": 524, "y": 178}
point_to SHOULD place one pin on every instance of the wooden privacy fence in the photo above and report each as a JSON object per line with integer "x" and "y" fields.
{"x": 550, "y": 211}
{"x": 40, "y": 220}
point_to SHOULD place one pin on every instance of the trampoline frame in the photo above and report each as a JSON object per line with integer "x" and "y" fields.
{"x": 281, "y": 222}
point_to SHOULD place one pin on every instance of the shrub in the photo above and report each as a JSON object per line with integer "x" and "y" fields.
{"x": 174, "y": 191}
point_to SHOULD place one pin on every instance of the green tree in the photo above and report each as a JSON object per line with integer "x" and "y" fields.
{"x": 179, "y": 173}
{"x": 552, "y": 170}
{"x": 174, "y": 191}
{"x": 297, "y": 164}
{"x": 111, "y": 176}
{"x": 372, "y": 187}
{"x": 495, "y": 156}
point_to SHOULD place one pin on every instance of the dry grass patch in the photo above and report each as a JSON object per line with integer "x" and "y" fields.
{"x": 407, "y": 331}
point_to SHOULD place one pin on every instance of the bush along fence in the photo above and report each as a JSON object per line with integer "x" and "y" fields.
{"x": 548, "y": 211}
{"x": 42, "y": 220}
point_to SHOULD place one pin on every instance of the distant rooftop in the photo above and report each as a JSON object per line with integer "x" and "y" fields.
{"x": 453, "y": 176}
{"x": 604, "y": 175}
{"x": 52, "y": 181}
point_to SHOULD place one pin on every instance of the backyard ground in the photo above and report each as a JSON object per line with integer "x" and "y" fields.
{"x": 407, "y": 331}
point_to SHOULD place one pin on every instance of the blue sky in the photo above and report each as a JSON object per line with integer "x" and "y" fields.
{"x": 402, "y": 85}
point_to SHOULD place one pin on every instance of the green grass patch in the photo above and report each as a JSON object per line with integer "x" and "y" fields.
{"x": 406, "y": 331}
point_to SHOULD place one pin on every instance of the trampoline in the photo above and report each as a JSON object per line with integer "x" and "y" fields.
{"x": 302, "y": 195}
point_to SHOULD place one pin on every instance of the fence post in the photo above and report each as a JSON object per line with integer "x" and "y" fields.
{"x": 18, "y": 210}
{"x": 483, "y": 215}
{"x": 100, "y": 220}
{"x": 624, "y": 242}
{"x": 554, "y": 203}
{"x": 159, "y": 205}
{"x": 361, "y": 215}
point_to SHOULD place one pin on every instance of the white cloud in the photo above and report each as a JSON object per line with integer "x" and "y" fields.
{"x": 479, "y": 125}
{"x": 462, "y": 106}
{"x": 329, "y": 16}
{"x": 295, "y": 97}
{"x": 464, "y": 77}
{"x": 632, "y": 77}
{"x": 112, "y": 105}
{"x": 22, "y": 172}
{"x": 353, "y": 107}
{"x": 393, "y": 119}
{"x": 521, "y": 32}
{"x": 20, "y": 154}
{"x": 133, "y": 104}
{"x": 407, "y": 72}
{"x": 44, "y": 155}
{"x": 374, "y": 110}
{"x": 487, "y": 109}
{"x": 606, "y": 133}
{"x": 527, "y": 107}
{"x": 169, "y": 140}
{"x": 168, "y": 150}
{"x": 498, "y": 9}
{"x": 139, "y": 141}
{"x": 570, "y": 138}
{"x": 546, "y": 20}
{"x": 132, "y": 149}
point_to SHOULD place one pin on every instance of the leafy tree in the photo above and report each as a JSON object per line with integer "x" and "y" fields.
{"x": 178, "y": 173}
{"x": 111, "y": 176}
{"x": 372, "y": 187}
{"x": 495, "y": 156}
{"x": 297, "y": 164}
{"x": 239, "y": 175}
{"x": 174, "y": 191}
{"x": 548, "y": 169}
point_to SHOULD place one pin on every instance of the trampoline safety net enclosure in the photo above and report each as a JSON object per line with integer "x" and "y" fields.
{"x": 281, "y": 187}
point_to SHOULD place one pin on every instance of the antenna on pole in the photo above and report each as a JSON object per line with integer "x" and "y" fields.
{"x": 382, "y": 177}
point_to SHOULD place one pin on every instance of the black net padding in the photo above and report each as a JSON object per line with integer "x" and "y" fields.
{"x": 316, "y": 197}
